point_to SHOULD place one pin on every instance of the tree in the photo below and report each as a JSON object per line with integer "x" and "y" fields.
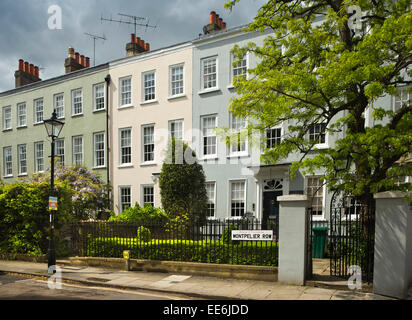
{"x": 317, "y": 68}
{"x": 182, "y": 182}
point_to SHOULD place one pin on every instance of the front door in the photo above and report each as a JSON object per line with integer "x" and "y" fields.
{"x": 271, "y": 210}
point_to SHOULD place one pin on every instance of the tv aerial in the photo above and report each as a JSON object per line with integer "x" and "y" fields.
{"x": 95, "y": 37}
{"x": 133, "y": 20}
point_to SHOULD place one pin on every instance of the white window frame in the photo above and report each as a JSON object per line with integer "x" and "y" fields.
{"x": 36, "y": 104}
{"x": 7, "y": 162}
{"x": 59, "y": 154}
{"x": 203, "y": 75}
{"x": 121, "y": 199}
{"x": 60, "y": 115}
{"x": 274, "y": 128}
{"x": 182, "y": 88}
{"x": 20, "y": 116}
{"x": 143, "y": 188}
{"x": 74, "y": 154}
{"x": 37, "y": 158}
{"x": 401, "y": 97}
{"x": 144, "y": 87}
{"x": 232, "y": 67}
{"x": 121, "y": 93}
{"x": 95, "y": 157}
{"x": 7, "y": 121}
{"x": 232, "y": 181}
{"x": 212, "y": 201}
{"x": 79, "y": 102}
{"x": 317, "y": 217}
{"x": 121, "y": 163}
{"x": 95, "y": 86}
{"x": 202, "y": 142}
{"x": 22, "y": 160}
{"x": 237, "y": 130}
{"x": 181, "y": 121}
{"x": 319, "y": 145}
{"x": 146, "y": 126}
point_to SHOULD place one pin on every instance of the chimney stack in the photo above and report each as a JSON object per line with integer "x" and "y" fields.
{"x": 216, "y": 24}
{"x": 136, "y": 46}
{"x": 27, "y": 73}
{"x": 75, "y": 61}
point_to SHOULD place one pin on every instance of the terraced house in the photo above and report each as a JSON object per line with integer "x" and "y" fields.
{"x": 79, "y": 98}
{"x": 151, "y": 101}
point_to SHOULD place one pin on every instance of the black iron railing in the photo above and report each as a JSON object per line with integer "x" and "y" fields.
{"x": 209, "y": 242}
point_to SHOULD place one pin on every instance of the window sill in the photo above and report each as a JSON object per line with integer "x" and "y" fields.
{"x": 100, "y": 110}
{"x": 148, "y": 102}
{"x": 98, "y": 168}
{"x": 126, "y": 106}
{"x": 213, "y": 157}
{"x": 5, "y": 130}
{"x": 146, "y": 164}
{"x": 8, "y": 177}
{"x": 321, "y": 146}
{"x": 37, "y": 123}
{"x": 235, "y": 155}
{"x": 177, "y": 96}
{"x": 23, "y": 175}
{"x": 209, "y": 91}
{"x": 22, "y": 127}
{"x": 128, "y": 165}
{"x": 230, "y": 86}
{"x": 77, "y": 115}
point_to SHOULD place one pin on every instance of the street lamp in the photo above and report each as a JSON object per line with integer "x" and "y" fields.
{"x": 53, "y": 128}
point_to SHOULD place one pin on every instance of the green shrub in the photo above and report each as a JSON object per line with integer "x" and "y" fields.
{"x": 138, "y": 214}
{"x": 144, "y": 234}
{"x": 246, "y": 253}
{"x": 227, "y": 234}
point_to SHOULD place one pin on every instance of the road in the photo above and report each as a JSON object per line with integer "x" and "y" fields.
{"x": 21, "y": 288}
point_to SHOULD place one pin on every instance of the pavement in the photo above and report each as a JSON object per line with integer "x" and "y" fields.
{"x": 192, "y": 286}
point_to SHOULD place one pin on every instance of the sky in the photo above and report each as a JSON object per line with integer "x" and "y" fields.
{"x": 25, "y": 32}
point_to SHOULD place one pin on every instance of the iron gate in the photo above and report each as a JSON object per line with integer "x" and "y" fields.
{"x": 351, "y": 236}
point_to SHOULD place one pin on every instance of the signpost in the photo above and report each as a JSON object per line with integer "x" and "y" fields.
{"x": 252, "y": 235}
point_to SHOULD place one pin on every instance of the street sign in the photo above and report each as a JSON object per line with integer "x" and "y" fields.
{"x": 52, "y": 203}
{"x": 252, "y": 235}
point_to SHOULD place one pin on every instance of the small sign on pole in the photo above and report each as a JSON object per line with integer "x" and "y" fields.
{"x": 53, "y": 203}
{"x": 252, "y": 235}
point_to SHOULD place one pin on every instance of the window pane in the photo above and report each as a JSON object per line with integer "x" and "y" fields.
{"x": 8, "y": 161}
{"x": 237, "y": 198}
{"x": 22, "y": 159}
{"x": 125, "y": 146}
{"x": 77, "y": 150}
{"x": 38, "y": 156}
{"x": 273, "y": 137}
{"x": 38, "y": 110}
{"x": 176, "y": 80}
{"x": 148, "y": 144}
{"x": 125, "y": 198}
{"x": 59, "y": 105}
{"x": 59, "y": 146}
{"x": 315, "y": 194}
{"x": 211, "y": 205}
{"x": 99, "y": 149}
{"x": 209, "y": 136}
{"x": 125, "y": 91}
{"x": 77, "y": 101}
{"x": 21, "y": 114}
{"x": 148, "y": 195}
{"x": 99, "y": 97}
{"x": 149, "y": 86}
{"x": 209, "y": 73}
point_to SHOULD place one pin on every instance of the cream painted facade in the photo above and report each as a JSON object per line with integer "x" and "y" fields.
{"x": 132, "y": 82}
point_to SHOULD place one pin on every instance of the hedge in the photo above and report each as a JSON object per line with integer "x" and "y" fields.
{"x": 243, "y": 253}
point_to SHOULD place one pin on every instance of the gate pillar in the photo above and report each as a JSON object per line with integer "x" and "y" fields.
{"x": 392, "y": 274}
{"x": 292, "y": 239}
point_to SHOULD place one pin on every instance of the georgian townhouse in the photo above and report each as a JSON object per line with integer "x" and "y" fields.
{"x": 151, "y": 101}
{"x": 79, "y": 98}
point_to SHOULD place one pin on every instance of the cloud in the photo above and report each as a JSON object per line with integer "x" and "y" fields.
{"x": 25, "y": 32}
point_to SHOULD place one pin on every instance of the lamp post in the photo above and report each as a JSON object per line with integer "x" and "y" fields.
{"x": 53, "y": 128}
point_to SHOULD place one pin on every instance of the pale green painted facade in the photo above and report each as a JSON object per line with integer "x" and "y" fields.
{"x": 85, "y": 124}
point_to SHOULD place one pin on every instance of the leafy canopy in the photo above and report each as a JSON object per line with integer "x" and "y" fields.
{"x": 316, "y": 68}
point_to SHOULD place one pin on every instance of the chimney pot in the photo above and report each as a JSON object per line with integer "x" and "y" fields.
{"x": 21, "y": 64}
{"x": 212, "y": 17}
{"x": 132, "y": 37}
{"x": 71, "y": 52}
{"x": 31, "y": 70}
{"x": 82, "y": 60}
{"x": 147, "y": 47}
{"x": 223, "y": 25}
{"x": 77, "y": 57}
{"x": 141, "y": 43}
{"x": 87, "y": 62}
{"x": 219, "y": 22}
{"x": 138, "y": 40}
{"x": 36, "y": 71}
{"x": 26, "y": 67}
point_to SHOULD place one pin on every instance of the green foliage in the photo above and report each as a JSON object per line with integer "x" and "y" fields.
{"x": 24, "y": 216}
{"x": 313, "y": 71}
{"x": 227, "y": 234}
{"x": 182, "y": 182}
{"x": 247, "y": 253}
{"x": 138, "y": 214}
{"x": 143, "y": 234}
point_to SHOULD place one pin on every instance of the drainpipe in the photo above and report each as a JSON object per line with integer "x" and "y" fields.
{"x": 107, "y": 79}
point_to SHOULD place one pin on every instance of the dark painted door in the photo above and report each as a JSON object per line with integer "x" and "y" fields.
{"x": 271, "y": 210}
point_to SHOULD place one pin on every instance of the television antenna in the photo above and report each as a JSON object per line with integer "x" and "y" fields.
{"x": 94, "y": 44}
{"x": 134, "y": 20}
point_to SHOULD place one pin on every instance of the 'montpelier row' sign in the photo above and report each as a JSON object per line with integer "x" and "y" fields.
{"x": 257, "y": 235}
